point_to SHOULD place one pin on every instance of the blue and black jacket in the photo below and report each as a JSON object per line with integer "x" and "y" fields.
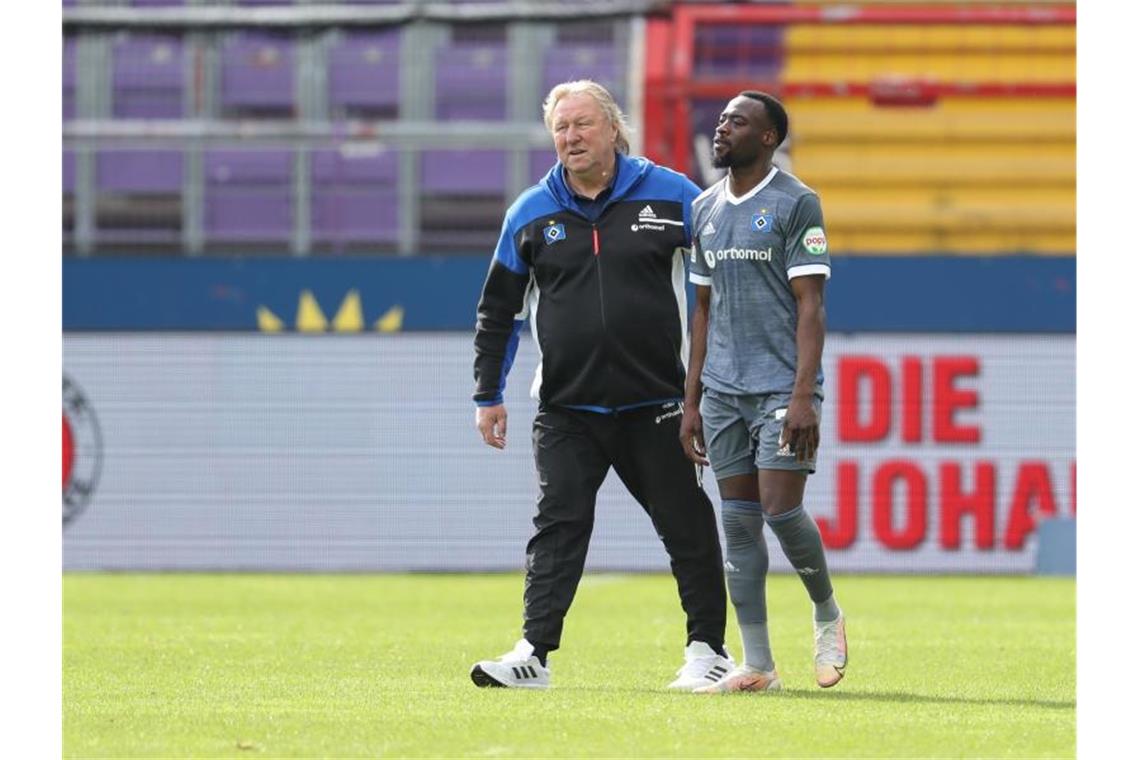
{"x": 604, "y": 290}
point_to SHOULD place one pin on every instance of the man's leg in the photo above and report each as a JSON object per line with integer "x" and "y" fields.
{"x": 781, "y": 482}
{"x": 571, "y": 467}
{"x": 648, "y": 457}
{"x": 730, "y": 451}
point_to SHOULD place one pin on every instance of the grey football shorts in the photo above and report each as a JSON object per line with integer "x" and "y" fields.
{"x": 742, "y": 433}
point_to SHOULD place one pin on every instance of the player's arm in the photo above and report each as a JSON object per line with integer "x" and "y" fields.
{"x": 500, "y": 316}
{"x": 808, "y": 266}
{"x": 801, "y": 425}
{"x": 692, "y": 427}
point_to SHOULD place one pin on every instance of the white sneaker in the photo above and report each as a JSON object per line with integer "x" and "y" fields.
{"x": 702, "y": 667}
{"x": 518, "y": 668}
{"x": 830, "y": 651}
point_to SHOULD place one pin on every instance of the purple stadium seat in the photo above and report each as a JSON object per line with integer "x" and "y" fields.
{"x": 354, "y": 197}
{"x": 257, "y": 73}
{"x": 738, "y": 51}
{"x": 156, "y": 3}
{"x": 139, "y": 172}
{"x": 68, "y": 172}
{"x": 364, "y": 74}
{"x": 68, "y": 78}
{"x": 147, "y": 76}
{"x": 471, "y": 82}
{"x": 249, "y": 196}
{"x": 464, "y": 172}
{"x": 565, "y": 63}
{"x": 540, "y": 163}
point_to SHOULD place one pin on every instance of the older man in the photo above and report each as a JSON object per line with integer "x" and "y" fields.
{"x": 594, "y": 255}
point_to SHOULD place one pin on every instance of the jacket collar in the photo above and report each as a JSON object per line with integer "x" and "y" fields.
{"x": 630, "y": 173}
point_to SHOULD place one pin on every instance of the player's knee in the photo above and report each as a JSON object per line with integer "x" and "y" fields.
{"x": 743, "y": 523}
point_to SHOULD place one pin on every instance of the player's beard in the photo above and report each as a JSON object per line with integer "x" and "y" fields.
{"x": 723, "y": 161}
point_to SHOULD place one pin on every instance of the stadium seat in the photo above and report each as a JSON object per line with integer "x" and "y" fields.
{"x": 68, "y": 172}
{"x": 979, "y": 53}
{"x": 564, "y": 63}
{"x": 364, "y": 75}
{"x": 540, "y": 163}
{"x": 464, "y": 172}
{"x": 471, "y": 82}
{"x": 354, "y": 198}
{"x": 258, "y": 74}
{"x": 138, "y": 196}
{"x": 147, "y": 75}
{"x": 139, "y": 171}
{"x": 68, "y": 192}
{"x": 249, "y": 196}
{"x": 729, "y": 52}
{"x": 69, "y": 78}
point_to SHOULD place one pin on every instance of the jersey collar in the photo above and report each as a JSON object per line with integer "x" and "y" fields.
{"x": 760, "y": 186}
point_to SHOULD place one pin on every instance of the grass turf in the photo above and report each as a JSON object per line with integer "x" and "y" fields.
{"x": 354, "y": 665}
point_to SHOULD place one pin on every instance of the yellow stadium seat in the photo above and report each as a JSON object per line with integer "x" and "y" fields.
{"x": 967, "y": 175}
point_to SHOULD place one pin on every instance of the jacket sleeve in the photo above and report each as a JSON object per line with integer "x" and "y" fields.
{"x": 500, "y": 317}
{"x": 689, "y": 193}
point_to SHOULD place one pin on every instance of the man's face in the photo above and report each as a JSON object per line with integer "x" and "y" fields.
{"x": 742, "y": 134}
{"x": 583, "y": 137}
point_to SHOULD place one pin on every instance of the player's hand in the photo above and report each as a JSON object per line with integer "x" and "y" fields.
{"x": 491, "y": 421}
{"x": 801, "y": 429}
{"x": 693, "y": 436}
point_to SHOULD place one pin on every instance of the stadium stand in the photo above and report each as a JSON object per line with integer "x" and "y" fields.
{"x": 939, "y": 128}
{"x": 924, "y": 129}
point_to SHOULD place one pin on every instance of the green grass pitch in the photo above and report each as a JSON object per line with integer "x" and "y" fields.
{"x": 376, "y": 666}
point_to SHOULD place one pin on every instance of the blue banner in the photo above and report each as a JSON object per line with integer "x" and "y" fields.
{"x": 1016, "y": 294}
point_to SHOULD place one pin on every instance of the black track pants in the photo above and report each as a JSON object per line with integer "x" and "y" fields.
{"x": 573, "y": 451}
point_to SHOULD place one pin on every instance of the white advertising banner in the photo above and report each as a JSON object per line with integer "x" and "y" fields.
{"x": 940, "y": 453}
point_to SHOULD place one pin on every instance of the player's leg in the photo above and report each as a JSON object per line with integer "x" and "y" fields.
{"x": 729, "y": 446}
{"x": 648, "y": 457}
{"x": 781, "y": 482}
{"x": 571, "y": 467}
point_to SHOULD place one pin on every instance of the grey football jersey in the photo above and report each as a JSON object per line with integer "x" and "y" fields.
{"x": 748, "y": 249}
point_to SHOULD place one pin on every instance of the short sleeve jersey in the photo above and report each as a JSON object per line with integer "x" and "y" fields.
{"x": 748, "y": 249}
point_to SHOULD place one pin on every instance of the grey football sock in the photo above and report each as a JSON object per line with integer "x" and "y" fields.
{"x": 746, "y": 571}
{"x": 799, "y": 538}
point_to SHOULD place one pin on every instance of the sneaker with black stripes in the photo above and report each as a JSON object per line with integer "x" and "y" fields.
{"x": 517, "y": 669}
{"x": 703, "y": 666}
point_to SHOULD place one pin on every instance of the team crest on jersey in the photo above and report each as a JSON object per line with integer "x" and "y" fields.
{"x": 554, "y": 233}
{"x": 761, "y": 222}
{"x": 815, "y": 241}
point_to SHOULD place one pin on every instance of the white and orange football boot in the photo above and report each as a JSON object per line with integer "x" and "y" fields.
{"x": 744, "y": 678}
{"x": 830, "y": 651}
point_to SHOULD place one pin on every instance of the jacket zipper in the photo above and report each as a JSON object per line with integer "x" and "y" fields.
{"x": 598, "y": 265}
{"x": 602, "y": 300}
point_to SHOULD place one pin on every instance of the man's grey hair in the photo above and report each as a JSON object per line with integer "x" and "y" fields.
{"x": 603, "y": 98}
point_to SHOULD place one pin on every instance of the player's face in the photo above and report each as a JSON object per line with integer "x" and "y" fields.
{"x": 583, "y": 137}
{"x": 743, "y": 133}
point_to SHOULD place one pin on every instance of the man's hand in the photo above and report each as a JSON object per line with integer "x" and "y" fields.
{"x": 693, "y": 436}
{"x": 801, "y": 428}
{"x": 491, "y": 421}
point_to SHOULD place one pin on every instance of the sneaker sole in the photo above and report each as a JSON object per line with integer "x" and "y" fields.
{"x": 483, "y": 680}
